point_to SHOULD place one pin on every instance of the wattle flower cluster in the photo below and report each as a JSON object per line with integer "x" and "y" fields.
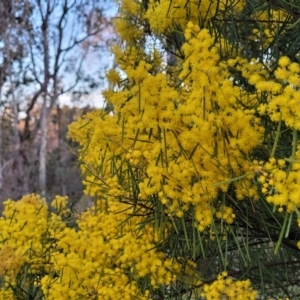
{"x": 182, "y": 144}
{"x": 105, "y": 257}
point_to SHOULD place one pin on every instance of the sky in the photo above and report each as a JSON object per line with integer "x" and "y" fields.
{"x": 95, "y": 63}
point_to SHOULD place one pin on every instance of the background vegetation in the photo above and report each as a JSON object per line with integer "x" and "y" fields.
{"x": 46, "y": 53}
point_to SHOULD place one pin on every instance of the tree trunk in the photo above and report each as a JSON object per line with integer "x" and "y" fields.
{"x": 43, "y": 149}
{"x": 22, "y": 176}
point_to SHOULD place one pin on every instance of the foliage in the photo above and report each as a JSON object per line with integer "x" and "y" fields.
{"x": 196, "y": 167}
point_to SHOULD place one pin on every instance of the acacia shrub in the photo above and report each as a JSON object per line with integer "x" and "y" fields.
{"x": 195, "y": 169}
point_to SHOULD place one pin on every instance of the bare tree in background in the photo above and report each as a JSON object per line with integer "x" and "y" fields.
{"x": 56, "y": 41}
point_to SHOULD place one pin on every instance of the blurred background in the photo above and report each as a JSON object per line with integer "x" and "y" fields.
{"x": 53, "y": 59}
